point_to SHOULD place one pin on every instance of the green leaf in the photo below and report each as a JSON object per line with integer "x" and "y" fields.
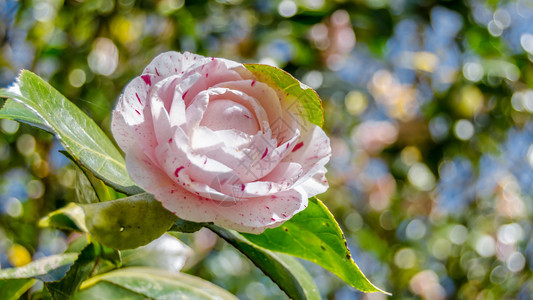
{"x": 313, "y": 234}
{"x": 107, "y": 290}
{"x": 78, "y": 243}
{"x": 85, "y": 192}
{"x": 14, "y": 110}
{"x": 111, "y": 255}
{"x": 186, "y": 226}
{"x": 14, "y": 288}
{"x": 284, "y": 270}
{"x": 78, "y": 133}
{"x": 89, "y": 189}
{"x": 276, "y": 77}
{"x": 50, "y": 268}
{"x": 70, "y": 217}
{"x": 151, "y": 283}
{"x": 78, "y": 272}
{"x": 120, "y": 224}
{"x": 128, "y": 222}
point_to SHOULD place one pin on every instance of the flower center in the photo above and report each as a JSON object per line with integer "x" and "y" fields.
{"x": 226, "y": 114}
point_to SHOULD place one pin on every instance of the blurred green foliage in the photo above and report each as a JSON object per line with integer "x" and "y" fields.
{"x": 428, "y": 105}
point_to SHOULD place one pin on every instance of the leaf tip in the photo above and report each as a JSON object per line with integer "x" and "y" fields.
{"x": 44, "y": 222}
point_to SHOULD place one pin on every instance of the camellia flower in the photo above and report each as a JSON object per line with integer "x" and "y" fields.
{"x": 215, "y": 144}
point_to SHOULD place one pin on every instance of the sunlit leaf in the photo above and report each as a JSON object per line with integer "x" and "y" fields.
{"x": 128, "y": 222}
{"x": 70, "y": 217}
{"x": 313, "y": 234}
{"x": 78, "y": 133}
{"x": 12, "y": 289}
{"x": 50, "y": 268}
{"x": 89, "y": 189}
{"x": 14, "y": 110}
{"x": 85, "y": 192}
{"x": 151, "y": 283}
{"x": 120, "y": 224}
{"x": 107, "y": 290}
{"x": 287, "y": 83}
{"x": 78, "y": 272}
{"x": 284, "y": 270}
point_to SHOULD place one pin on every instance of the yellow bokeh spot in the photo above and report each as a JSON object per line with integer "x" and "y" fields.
{"x": 169, "y": 6}
{"x": 410, "y": 155}
{"x": 425, "y": 61}
{"x": 126, "y": 30}
{"x": 355, "y": 102}
{"x": 18, "y": 255}
{"x": 470, "y": 101}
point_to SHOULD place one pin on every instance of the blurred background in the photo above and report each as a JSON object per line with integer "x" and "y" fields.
{"x": 428, "y": 105}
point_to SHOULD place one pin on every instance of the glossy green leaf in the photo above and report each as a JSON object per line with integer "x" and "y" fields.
{"x": 284, "y": 270}
{"x": 85, "y": 192}
{"x": 128, "y": 222}
{"x": 78, "y": 272}
{"x": 186, "y": 226}
{"x": 111, "y": 255}
{"x": 313, "y": 234}
{"x": 78, "y": 133}
{"x": 119, "y": 224}
{"x": 151, "y": 283}
{"x": 77, "y": 244}
{"x": 293, "y": 88}
{"x": 50, "y": 268}
{"x": 14, "y": 110}
{"x": 14, "y": 288}
{"x": 89, "y": 189}
{"x": 70, "y": 217}
{"x": 107, "y": 290}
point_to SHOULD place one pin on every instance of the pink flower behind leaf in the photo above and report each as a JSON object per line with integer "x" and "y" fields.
{"x": 214, "y": 144}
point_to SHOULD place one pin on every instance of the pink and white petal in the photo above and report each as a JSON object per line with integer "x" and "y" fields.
{"x": 133, "y": 101}
{"x": 172, "y": 63}
{"x": 185, "y": 204}
{"x": 165, "y": 90}
{"x": 280, "y": 179}
{"x": 144, "y": 172}
{"x": 193, "y": 172}
{"x": 212, "y": 73}
{"x": 252, "y": 215}
{"x": 265, "y": 96}
{"x": 263, "y": 155}
{"x": 122, "y": 132}
{"x": 257, "y": 214}
{"x": 161, "y": 120}
{"x": 177, "y": 109}
{"x": 225, "y": 146}
{"x": 245, "y": 156}
{"x": 135, "y": 121}
{"x": 232, "y": 65}
{"x": 195, "y": 111}
{"x": 177, "y": 114}
{"x": 288, "y": 125}
{"x": 204, "y": 140}
{"x": 223, "y": 114}
{"x": 282, "y": 176}
{"x": 316, "y": 184}
{"x": 312, "y": 151}
{"x": 250, "y": 103}
{"x": 285, "y": 174}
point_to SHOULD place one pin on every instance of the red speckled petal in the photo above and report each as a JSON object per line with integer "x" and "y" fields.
{"x": 312, "y": 152}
